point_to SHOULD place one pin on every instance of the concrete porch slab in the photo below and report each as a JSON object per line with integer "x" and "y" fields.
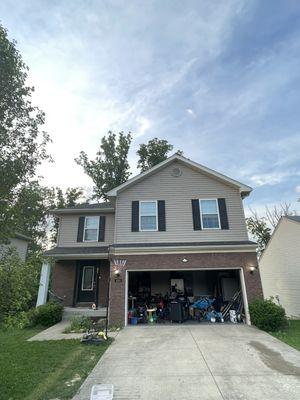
{"x": 70, "y": 312}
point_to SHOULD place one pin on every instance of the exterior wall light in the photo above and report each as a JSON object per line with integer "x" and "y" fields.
{"x": 252, "y": 269}
{"x": 117, "y": 273}
{"x": 184, "y": 260}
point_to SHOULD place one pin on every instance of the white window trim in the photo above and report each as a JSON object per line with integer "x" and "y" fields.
{"x": 87, "y": 290}
{"x": 218, "y": 212}
{"x": 92, "y": 240}
{"x": 140, "y": 216}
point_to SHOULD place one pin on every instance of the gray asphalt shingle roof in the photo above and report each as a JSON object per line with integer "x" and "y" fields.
{"x": 76, "y": 250}
{"x": 185, "y": 244}
{"x": 294, "y": 218}
{"x": 59, "y": 251}
{"x": 89, "y": 206}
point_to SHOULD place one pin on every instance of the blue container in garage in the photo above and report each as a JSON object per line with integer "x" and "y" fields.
{"x": 134, "y": 320}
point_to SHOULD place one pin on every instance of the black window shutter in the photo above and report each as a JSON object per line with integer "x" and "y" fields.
{"x": 80, "y": 229}
{"x": 101, "y": 234}
{"x": 223, "y": 214}
{"x": 161, "y": 208}
{"x": 135, "y": 216}
{"x": 196, "y": 215}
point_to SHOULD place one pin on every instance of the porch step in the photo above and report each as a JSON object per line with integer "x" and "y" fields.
{"x": 70, "y": 312}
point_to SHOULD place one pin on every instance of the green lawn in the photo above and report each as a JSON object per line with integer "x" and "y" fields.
{"x": 291, "y": 335}
{"x": 43, "y": 370}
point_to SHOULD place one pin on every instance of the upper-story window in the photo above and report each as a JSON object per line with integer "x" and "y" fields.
{"x": 209, "y": 212}
{"x": 91, "y": 229}
{"x": 148, "y": 215}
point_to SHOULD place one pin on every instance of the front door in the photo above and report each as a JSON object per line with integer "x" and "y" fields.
{"x": 88, "y": 282}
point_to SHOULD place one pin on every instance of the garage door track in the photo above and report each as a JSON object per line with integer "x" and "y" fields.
{"x": 188, "y": 362}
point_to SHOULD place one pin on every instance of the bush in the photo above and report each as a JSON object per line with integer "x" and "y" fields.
{"x": 79, "y": 324}
{"x": 19, "y": 282}
{"x": 267, "y": 315}
{"x": 21, "y": 320}
{"x": 48, "y": 314}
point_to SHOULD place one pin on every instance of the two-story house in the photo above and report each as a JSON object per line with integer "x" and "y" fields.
{"x": 177, "y": 222}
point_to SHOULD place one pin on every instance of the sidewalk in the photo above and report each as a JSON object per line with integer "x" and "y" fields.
{"x": 55, "y": 332}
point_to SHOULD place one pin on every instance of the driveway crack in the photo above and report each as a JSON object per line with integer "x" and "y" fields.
{"x": 210, "y": 371}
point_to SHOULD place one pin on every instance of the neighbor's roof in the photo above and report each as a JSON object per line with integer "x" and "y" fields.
{"x": 295, "y": 218}
{"x": 244, "y": 189}
{"x": 85, "y": 207}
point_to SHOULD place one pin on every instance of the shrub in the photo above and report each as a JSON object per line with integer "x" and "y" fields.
{"x": 19, "y": 281}
{"x": 267, "y": 315}
{"x": 79, "y": 324}
{"x": 20, "y": 320}
{"x": 48, "y": 314}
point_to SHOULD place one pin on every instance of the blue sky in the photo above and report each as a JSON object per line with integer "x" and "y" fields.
{"x": 219, "y": 80}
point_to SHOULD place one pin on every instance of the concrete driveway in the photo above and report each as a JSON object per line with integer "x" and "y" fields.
{"x": 204, "y": 362}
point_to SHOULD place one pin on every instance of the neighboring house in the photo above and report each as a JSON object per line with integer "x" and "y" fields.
{"x": 280, "y": 265}
{"x": 20, "y": 243}
{"x": 177, "y": 221}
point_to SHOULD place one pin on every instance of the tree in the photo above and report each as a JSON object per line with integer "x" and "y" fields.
{"x": 154, "y": 152}
{"x": 60, "y": 199}
{"x": 30, "y": 212}
{"x": 22, "y": 141}
{"x": 259, "y": 229}
{"x": 110, "y": 168}
{"x": 274, "y": 214}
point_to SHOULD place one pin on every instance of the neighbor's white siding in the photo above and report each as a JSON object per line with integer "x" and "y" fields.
{"x": 20, "y": 246}
{"x": 280, "y": 267}
{"x": 68, "y": 228}
{"x": 178, "y": 192}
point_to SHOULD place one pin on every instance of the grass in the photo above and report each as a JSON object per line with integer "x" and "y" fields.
{"x": 291, "y": 335}
{"x": 43, "y": 370}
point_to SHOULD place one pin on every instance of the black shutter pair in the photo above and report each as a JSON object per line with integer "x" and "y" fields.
{"x": 101, "y": 234}
{"x": 135, "y": 216}
{"x": 222, "y": 213}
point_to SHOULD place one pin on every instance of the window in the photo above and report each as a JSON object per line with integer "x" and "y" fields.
{"x": 209, "y": 212}
{"x": 148, "y": 215}
{"x": 87, "y": 278}
{"x": 91, "y": 227}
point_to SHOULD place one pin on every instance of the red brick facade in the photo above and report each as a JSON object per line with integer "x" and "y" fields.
{"x": 63, "y": 281}
{"x": 64, "y": 275}
{"x": 174, "y": 262}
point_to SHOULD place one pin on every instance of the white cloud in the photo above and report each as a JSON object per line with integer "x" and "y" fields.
{"x": 143, "y": 126}
{"x": 267, "y": 179}
{"x": 190, "y": 111}
{"x": 297, "y": 189}
{"x": 272, "y": 178}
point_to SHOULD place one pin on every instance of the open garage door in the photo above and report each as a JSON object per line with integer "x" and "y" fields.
{"x": 195, "y": 296}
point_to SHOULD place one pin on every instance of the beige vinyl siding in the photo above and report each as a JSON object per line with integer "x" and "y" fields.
{"x": 68, "y": 228}
{"x": 19, "y": 245}
{"x": 177, "y": 193}
{"x": 280, "y": 267}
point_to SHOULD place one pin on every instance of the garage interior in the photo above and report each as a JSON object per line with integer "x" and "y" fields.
{"x": 185, "y": 296}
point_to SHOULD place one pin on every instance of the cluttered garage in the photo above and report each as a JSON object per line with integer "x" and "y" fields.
{"x": 198, "y": 296}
